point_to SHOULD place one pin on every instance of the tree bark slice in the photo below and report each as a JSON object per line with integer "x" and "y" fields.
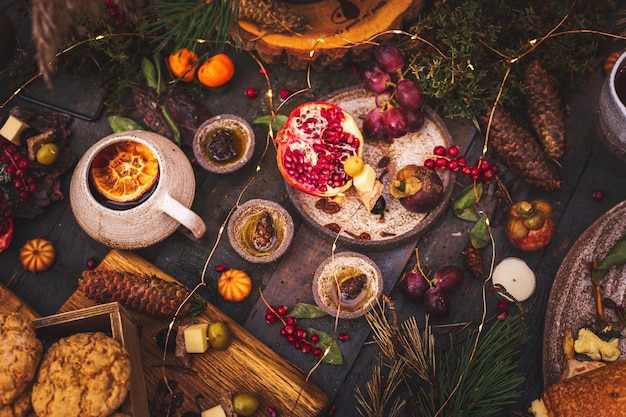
{"x": 330, "y": 40}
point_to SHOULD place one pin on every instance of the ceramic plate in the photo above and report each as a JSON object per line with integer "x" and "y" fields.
{"x": 397, "y": 225}
{"x": 571, "y": 301}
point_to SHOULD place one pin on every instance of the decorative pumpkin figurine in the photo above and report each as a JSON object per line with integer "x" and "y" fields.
{"x": 37, "y": 255}
{"x": 234, "y": 285}
{"x": 530, "y": 226}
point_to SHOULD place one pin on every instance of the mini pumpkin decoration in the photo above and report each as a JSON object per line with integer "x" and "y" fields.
{"x": 37, "y": 255}
{"x": 234, "y": 285}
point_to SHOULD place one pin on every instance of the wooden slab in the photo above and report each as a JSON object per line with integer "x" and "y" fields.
{"x": 9, "y": 303}
{"x": 247, "y": 365}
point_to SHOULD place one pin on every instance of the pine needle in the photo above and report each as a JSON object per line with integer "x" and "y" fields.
{"x": 418, "y": 350}
{"x": 380, "y": 392}
{"x": 382, "y": 333}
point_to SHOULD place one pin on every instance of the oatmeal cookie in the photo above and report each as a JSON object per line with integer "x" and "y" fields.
{"x": 20, "y": 353}
{"x": 86, "y": 375}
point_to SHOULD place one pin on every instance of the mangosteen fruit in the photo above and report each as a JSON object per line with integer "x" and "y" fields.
{"x": 418, "y": 188}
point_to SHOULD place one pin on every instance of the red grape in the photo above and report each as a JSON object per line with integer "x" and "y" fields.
{"x": 415, "y": 119}
{"x": 414, "y": 285}
{"x": 449, "y": 277}
{"x": 383, "y": 98}
{"x": 374, "y": 79}
{"x": 395, "y": 122}
{"x": 373, "y": 125}
{"x": 437, "y": 302}
{"x": 408, "y": 94}
{"x": 389, "y": 57}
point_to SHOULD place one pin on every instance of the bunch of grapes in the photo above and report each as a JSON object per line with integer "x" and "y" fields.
{"x": 449, "y": 159}
{"x": 399, "y": 100}
{"x": 15, "y": 171}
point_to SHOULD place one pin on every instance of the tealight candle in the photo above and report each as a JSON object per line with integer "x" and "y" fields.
{"x": 516, "y": 278}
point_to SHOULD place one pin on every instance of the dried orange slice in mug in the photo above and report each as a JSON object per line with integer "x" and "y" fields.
{"x": 124, "y": 171}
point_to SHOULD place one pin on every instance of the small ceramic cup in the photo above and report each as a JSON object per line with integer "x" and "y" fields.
{"x": 611, "y": 120}
{"x": 150, "y": 221}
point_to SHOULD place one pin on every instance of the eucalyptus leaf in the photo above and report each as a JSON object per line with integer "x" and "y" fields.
{"x": 149, "y": 73}
{"x": 277, "y": 121}
{"x": 306, "y": 311}
{"x": 479, "y": 234}
{"x": 334, "y": 356}
{"x": 468, "y": 198}
{"x": 616, "y": 256}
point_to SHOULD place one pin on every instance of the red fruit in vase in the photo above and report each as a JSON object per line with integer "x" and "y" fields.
{"x": 450, "y": 278}
{"x": 395, "y": 122}
{"x": 373, "y": 125}
{"x": 312, "y": 146}
{"x": 414, "y": 285}
{"x": 389, "y": 57}
{"x": 408, "y": 94}
{"x": 437, "y": 302}
{"x": 374, "y": 79}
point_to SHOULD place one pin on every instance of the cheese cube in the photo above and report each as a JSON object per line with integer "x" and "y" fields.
{"x": 196, "y": 338}
{"x": 364, "y": 182}
{"x": 216, "y": 411}
{"x": 12, "y": 129}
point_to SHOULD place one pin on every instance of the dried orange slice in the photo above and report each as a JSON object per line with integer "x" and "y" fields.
{"x": 124, "y": 171}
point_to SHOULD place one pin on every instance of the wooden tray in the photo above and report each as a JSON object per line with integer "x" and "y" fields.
{"x": 246, "y": 366}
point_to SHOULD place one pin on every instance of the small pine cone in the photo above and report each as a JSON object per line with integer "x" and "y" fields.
{"x": 139, "y": 292}
{"x": 474, "y": 262}
{"x": 272, "y": 15}
{"x": 545, "y": 109}
{"x": 520, "y": 151}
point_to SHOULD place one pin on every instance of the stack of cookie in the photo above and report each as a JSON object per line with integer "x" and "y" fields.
{"x": 85, "y": 374}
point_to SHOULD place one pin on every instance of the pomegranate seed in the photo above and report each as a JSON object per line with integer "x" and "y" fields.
{"x": 453, "y": 151}
{"x": 502, "y": 316}
{"x": 282, "y": 310}
{"x": 440, "y": 151}
{"x": 221, "y": 268}
{"x": 271, "y": 411}
{"x": 503, "y": 305}
{"x": 315, "y": 338}
{"x": 284, "y": 93}
{"x": 430, "y": 164}
{"x": 251, "y": 92}
{"x": 270, "y": 318}
{"x": 92, "y": 263}
{"x": 598, "y": 195}
{"x": 317, "y": 352}
{"x": 331, "y": 411}
{"x": 343, "y": 336}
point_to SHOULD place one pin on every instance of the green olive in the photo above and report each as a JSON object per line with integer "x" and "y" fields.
{"x": 245, "y": 404}
{"x": 47, "y": 154}
{"x": 219, "y": 335}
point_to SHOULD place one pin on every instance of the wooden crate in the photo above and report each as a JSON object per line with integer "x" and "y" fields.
{"x": 114, "y": 321}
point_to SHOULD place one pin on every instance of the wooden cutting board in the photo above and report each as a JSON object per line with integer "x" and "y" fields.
{"x": 247, "y": 365}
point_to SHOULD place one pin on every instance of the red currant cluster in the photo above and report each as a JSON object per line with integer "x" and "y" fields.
{"x": 450, "y": 159}
{"x": 114, "y": 11}
{"x": 16, "y": 165}
{"x": 295, "y": 334}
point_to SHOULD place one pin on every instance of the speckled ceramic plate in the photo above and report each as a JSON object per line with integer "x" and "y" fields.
{"x": 397, "y": 225}
{"x": 571, "y": 302}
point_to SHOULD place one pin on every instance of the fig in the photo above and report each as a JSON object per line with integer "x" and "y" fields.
{"x": 418, "y": 188}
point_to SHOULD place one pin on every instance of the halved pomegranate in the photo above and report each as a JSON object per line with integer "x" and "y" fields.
{"x": 312, "y": 146}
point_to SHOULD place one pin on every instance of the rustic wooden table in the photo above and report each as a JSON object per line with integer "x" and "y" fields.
{"x": 288, "y": 280}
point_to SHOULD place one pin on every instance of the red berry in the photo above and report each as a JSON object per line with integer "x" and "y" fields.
{"x": 502, "y": 316}
{"x": 264, "y": 71}
{"x": 452, "y": 165}
{"x": 291, "y": 320}
{"x": 315, "y": 338}
{"x": 301, "y": 334}
{"x": 317, "y": 352}
{"x": 430, "y": 163}
{"x": 270, "y": 317}
{"x": 440, "y": 151}
{"x": 598, "y": 195}
{"x": 251, "y": 92}
{"x": 494, "y": 169}
{"x": 305, "y": 348}
{"x": 487, "y": 176}
{"x": 331, "y": 411}
{"x": 282, "y": 310}
{"x": 23, "y": 195}
{"x": 484, "y": 166}
{"x": 283, "y": 332}
{"x": 271, "y": 411}
{"x": 474, "y": 173}
{"x": 291, "y": 339}
{"x": 290, "y": 328}
{"x": 297, "y": 344}
{"x": 284, "y": 93}
{"x": 92, "y": 263}
{"x": 343, "y": 336}
{"x": 221, "y": 268}
{"x": 461, "y": 160}
{"x": 23, "y": 164}
{"x": 503, "y": 305}
{"x": 466, "y": 170}
{"x": 441, "y": 162}
{"x": 453, "y": 151}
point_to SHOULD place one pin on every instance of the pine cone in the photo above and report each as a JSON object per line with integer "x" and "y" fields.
{"x": 474, "y": 262}
{"x": 520, "y": 151}
{"x": 271, "y": 15}
{"x": 139, "y": 292}
{"x": 545, "y": 109}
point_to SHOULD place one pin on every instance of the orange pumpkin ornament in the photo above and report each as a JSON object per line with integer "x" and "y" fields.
{"x": 182, "y": 64}
{"x": 234, "y": 285}
{"x": 37, "y": 255}
{"x": 216, "y": 71}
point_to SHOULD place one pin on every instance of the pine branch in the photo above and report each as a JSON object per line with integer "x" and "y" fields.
{"x": 381, "y": 391}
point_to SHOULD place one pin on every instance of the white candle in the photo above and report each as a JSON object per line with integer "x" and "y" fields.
{"x": 516, "y": 277}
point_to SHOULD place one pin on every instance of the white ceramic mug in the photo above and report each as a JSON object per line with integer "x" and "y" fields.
{"x": 150, "y": 221}
{"x": 611, "y": 122}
